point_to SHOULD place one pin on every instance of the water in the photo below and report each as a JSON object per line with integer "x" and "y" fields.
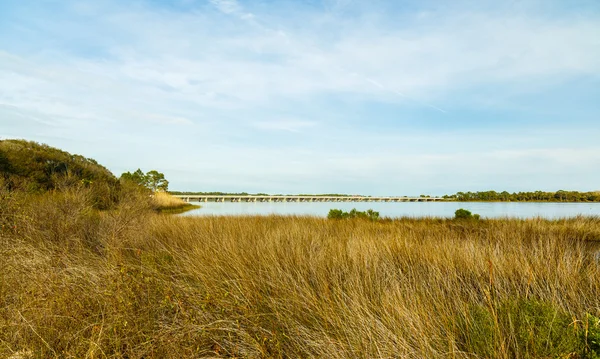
{"x": 401, "y": 209}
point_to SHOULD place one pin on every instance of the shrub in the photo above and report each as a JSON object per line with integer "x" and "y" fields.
{"x": 476, "y": 331}
{"x": 339, "y": 214}
{"x": 527, "y": 328}
{"x": 336, "y": 214}
{"x": 462, "y": 213}
{"x": 590, "y": 336}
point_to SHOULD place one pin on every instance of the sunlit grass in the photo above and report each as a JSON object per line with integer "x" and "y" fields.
{"x": 131, "y": 283}
{"x": 167, "y": 203}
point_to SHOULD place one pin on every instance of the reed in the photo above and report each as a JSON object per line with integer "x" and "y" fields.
{"x": 75, "y": 282}
{"x": 167, "y": 203}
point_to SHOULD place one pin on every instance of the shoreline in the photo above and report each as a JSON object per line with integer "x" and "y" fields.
{"x": 178, "y": 209}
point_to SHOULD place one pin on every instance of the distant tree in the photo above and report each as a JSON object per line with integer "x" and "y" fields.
{"x": 339, "y": 214}
{"x": 152, "y": 180}
{"x": 156, "y": 181}
{"x": 138, "y": 177}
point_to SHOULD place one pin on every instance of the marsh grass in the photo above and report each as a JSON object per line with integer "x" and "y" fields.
{"x": 129, "y": 283}
{"x": 168, "y": 204}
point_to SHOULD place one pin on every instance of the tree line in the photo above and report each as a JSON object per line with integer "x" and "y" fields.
{"x": 536, "y": 196}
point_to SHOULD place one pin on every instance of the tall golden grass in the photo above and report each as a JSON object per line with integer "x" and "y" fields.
{"x": 129, "y": 283}
{"x": 165, "y": 200}
{"x": 167, "y": 203}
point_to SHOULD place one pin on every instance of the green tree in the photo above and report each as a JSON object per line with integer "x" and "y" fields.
{"x": 138, "y": 177}
{"x": 339, "y": 214}
{"x": 152, "y": 180}
{"x": 156, "y": 181}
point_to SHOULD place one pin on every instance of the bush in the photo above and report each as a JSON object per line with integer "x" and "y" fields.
{"x": 336, "y": 214}
{"x": 527, "y": 328}
{"x": 462, "y": 213}
{"x": 590, "y": 336}
{"x": 339, "y": 214}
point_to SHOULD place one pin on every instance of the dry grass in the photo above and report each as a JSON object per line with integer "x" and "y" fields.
{"x": 163, "y": 199}
{"x": 166, "y": 203}
{"x": 132, "y": 284}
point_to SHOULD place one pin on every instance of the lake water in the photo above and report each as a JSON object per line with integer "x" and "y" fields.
{"x": 401, "y": 209}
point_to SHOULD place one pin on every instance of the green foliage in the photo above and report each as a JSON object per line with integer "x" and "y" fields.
{"x": 536, "y": 196}
{"x": 157, "y": 181}
{"x": 339, "y": 214}
{"x": 462, "y": 213}
{"x": 138, "y": 177}
{"x": 35, "y": 167}
{"x": 526, "y": 328}
{"x": 540, "y": 330}
{"x": 153, "y": 180}
{"x": 476, "y": 331}
{"x": 590, "y": 336}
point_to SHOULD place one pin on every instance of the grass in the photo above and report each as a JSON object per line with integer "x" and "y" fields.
{"x": 130, "y": 283}
{"x": 167, "y": 204}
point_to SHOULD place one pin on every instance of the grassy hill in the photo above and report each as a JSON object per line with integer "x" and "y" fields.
{"x": 38, "y": 167}
{"x": 35, "y": 168}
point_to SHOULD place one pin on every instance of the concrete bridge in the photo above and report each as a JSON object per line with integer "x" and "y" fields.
{"x": 251, "y": 198}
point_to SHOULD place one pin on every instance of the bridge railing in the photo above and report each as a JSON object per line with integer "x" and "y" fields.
{"x": 251, "y": 198}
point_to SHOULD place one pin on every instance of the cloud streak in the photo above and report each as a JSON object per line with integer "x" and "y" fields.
{"x": 227, "y": 6}
{"x": 298, "y": 91}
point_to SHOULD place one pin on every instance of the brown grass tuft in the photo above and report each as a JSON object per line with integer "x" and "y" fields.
{"x": 167, "y": 203}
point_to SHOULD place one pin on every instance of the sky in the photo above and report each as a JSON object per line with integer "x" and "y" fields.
{"x": 374, "y": 97}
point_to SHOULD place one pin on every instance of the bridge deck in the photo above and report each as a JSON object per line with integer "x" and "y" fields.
{"x": 250, "y": 198}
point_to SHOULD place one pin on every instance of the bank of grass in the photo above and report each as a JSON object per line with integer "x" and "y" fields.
{"x": 129, "y": 283}
{"x": 167, "y": 204}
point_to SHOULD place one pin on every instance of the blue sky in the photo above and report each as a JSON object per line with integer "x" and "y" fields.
{"x": 317, "y": 96}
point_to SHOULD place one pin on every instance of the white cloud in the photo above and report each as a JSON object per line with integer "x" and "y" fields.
{"x": 285, "y": 125}
{"x": 201, "y": 81}
{"x": 248, "y": 66}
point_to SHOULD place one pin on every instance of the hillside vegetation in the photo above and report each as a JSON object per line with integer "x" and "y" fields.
{"x": 38, "y": 167}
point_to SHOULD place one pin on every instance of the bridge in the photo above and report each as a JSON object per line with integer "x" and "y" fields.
{"x": 281, "y": 198}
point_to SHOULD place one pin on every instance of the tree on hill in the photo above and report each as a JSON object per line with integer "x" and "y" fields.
{"x": 138, "y": 177}
{"x": 152, "y": 180}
